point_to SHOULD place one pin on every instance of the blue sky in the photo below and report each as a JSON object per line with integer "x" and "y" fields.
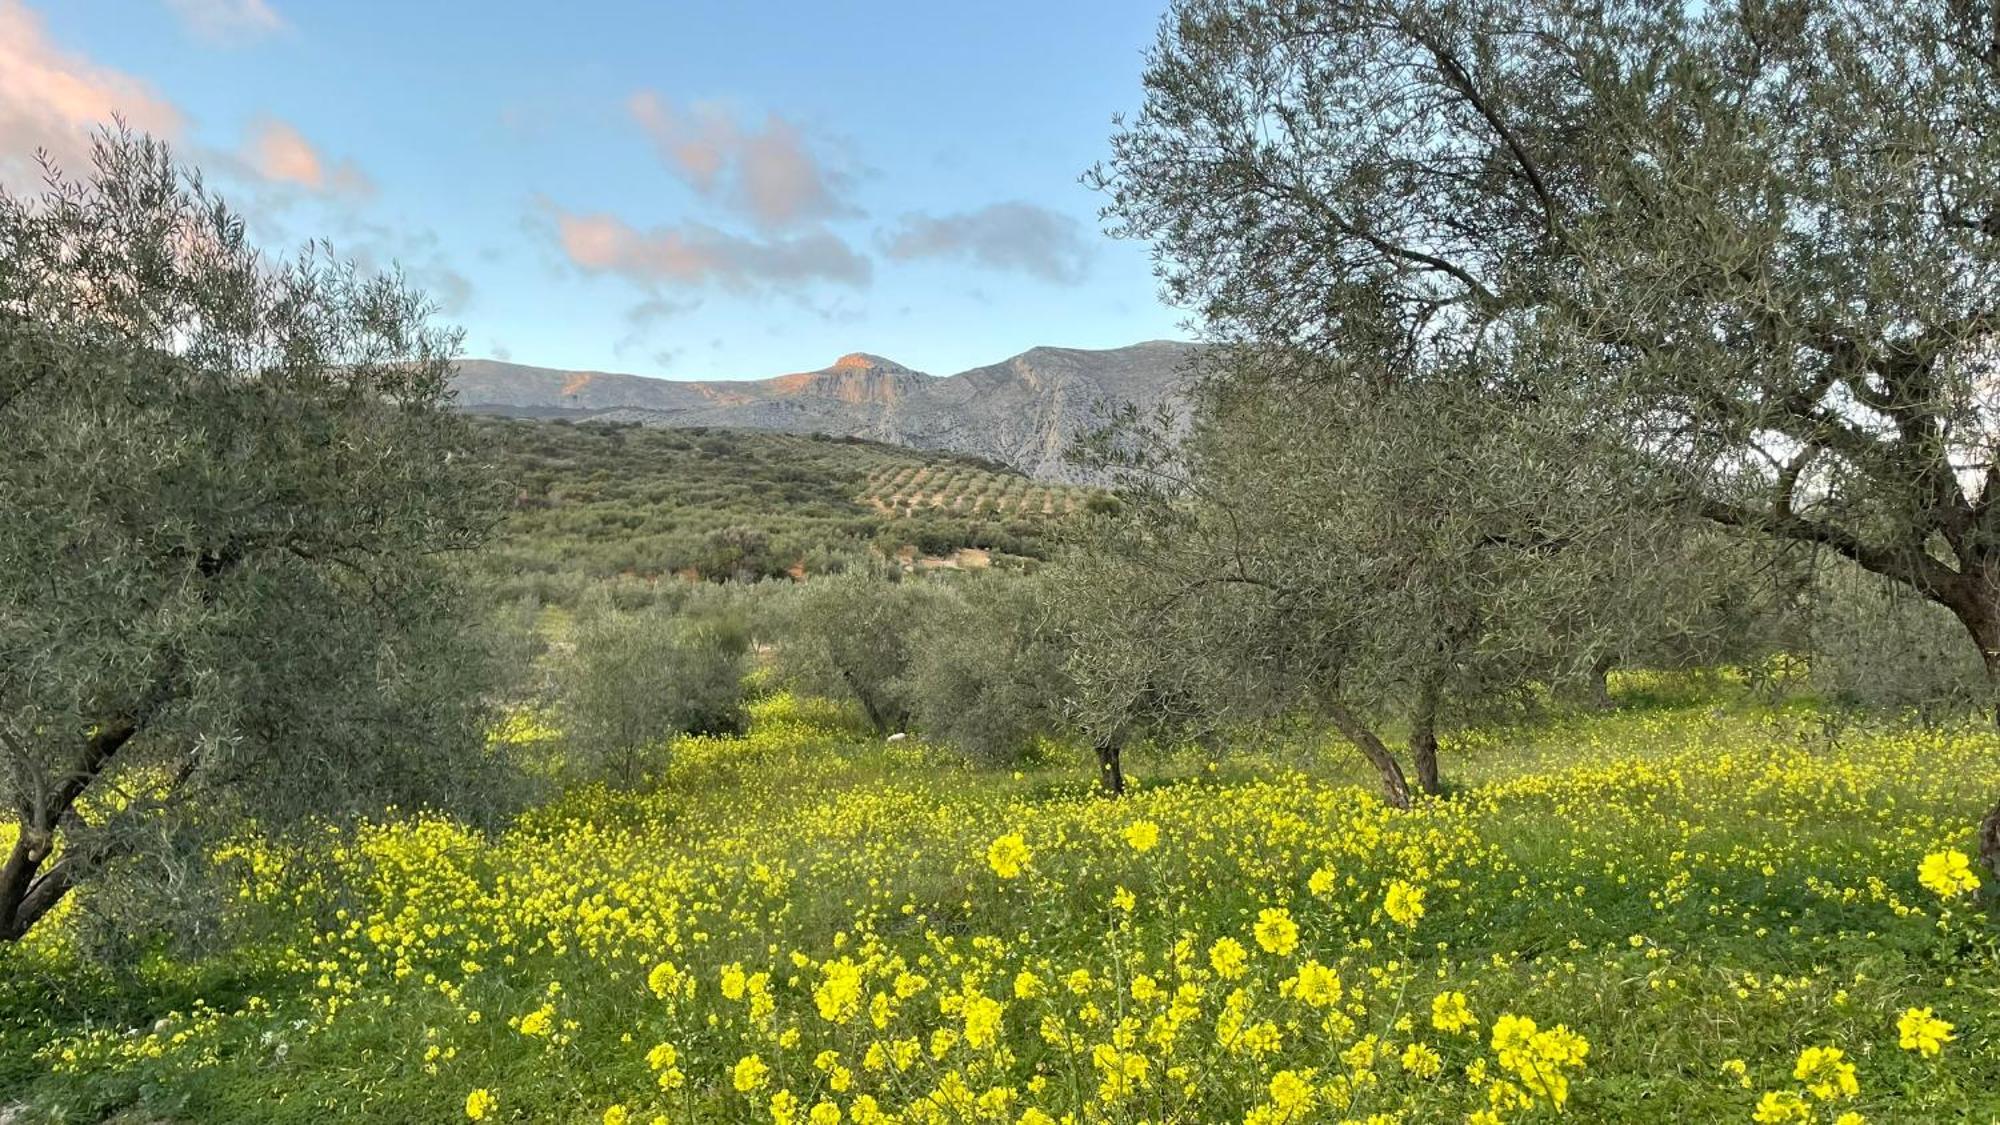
{"x": 697, "y": 190}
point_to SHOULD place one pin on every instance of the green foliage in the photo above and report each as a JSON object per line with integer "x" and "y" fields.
{"x": 1875, "y": 645}
{"x": 852, "y": 637}
{"x": 1751, "y": 246}
{"x": 634, "y": 680}
{"x": 619, "y": 504}
{"x": 1409, "y": 555}
{"x": 988, "y": 668}
{"x": 232, "y": 487}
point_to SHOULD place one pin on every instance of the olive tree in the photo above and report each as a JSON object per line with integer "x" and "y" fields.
{"x": 635, "y": 679}
{"x": 1401, "y": 559}
{"x": 229, "y": 489}
{"x": 1761, "y": 240}
{"x": 1141, "y": 661}
{"x": 851, "y": 637}
{"x": 987, "y": 666}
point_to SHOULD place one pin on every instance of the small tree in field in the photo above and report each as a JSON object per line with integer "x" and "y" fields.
{"x": 851, "y": 637}
{"x": 637, "y": 679}
{"x": 228, "y": 488}
{"x": 1759, "y": 241}
{"x": 987, "y": 668}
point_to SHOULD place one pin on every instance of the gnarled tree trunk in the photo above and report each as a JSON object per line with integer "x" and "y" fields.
{"x": 1110, "y": 770}
{"x": 878, "y": 717}
{"x": 1599, "y": 684}
{"x": 1395, "y": 789}
{"x": 30, "y": 885}
{"x": 1977, "y": 606}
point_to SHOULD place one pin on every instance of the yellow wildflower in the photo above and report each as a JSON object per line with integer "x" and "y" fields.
{"x": 1947, "y": 874}
{"x": 1404, "y": 903}
{"x": 1142, "y": 835}
{"x": 1006, "y": 855}
{"x": 1919, "y": 1030}
{"x": 1275, "y": 931}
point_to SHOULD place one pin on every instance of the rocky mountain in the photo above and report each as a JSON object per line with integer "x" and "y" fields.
{"x": 1023, "y": 411}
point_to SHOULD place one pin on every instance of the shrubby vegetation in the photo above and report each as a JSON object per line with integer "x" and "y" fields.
{"x": 1875, "y": 646}
{"x": 231, "y": 488}
{"x": 852, "y": 638}
{"x": 988, "y": 672}
{"x": 599, "y": 504}
{"x": 626, "y": 683}
{"x": 1578, "y": 444}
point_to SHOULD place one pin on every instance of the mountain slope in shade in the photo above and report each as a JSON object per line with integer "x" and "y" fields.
{"x": 1023, "y": 411}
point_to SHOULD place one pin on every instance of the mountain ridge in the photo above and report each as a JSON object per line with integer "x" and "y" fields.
{"x": 1023, "y": 411}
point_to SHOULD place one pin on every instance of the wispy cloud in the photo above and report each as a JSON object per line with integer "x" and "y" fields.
{"x": 279, "y": 153}
{"x": 228, "y": 22}
{"x": 1014, "y": 235}
{"x": 768, "y": 173}
{"x": 419, "y": 253}
{"x": 54, "y": 99}
{"x": 693, "y": 255}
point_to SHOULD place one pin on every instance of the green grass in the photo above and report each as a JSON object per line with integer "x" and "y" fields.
{"x": 1680, "y": 885}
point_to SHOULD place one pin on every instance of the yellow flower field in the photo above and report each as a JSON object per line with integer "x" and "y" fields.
{"x": 1671, "y": 916}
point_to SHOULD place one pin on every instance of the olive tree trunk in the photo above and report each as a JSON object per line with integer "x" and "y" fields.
{"x": 1423, "y": 738}
{"x": 1395, "y": 788}
{"x": 1110, "y": 770}
{"x": 27, "y": 891}
{"x": 1977, "y": 606}
{"x": 30, "y": 884}
{"x": 1599, "y": 684}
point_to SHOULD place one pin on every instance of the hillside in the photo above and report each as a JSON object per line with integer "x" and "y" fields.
{"x": 598, "y": 500}
{"x": 1023, "y": 412}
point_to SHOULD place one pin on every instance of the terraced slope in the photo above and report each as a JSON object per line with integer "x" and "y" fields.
{"x": 595, "y": 501}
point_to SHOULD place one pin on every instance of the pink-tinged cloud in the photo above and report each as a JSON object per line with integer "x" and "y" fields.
{"x": 228, "y": 21}
{"x": 53, "y": 99}
{"x": 695, "y": 255}
{"x": 770, "y": 173}
{"x": 281, "y": 154}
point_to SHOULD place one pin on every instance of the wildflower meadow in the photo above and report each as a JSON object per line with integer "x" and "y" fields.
{"x": 1693, "y": 913}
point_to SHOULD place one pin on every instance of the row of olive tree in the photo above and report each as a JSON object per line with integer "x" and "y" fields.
{"x": 1755, "y": 246}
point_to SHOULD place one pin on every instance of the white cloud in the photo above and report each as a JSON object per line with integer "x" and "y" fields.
{"x": 53, "y": 100}
{"x": 693, "y": 255}
{"x": 280, "y": 154}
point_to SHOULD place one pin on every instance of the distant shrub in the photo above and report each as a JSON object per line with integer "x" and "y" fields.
{"x": 849, "y": 637}
{"x": 635, "y": 680}
{"x": 986, "y": 672}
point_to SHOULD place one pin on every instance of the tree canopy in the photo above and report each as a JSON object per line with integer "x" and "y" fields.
{"x": 232, "y": 487}
{"x": 1756, "y": 243}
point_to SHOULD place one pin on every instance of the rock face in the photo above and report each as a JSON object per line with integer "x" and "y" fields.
{"x": 1024, "y": 411}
